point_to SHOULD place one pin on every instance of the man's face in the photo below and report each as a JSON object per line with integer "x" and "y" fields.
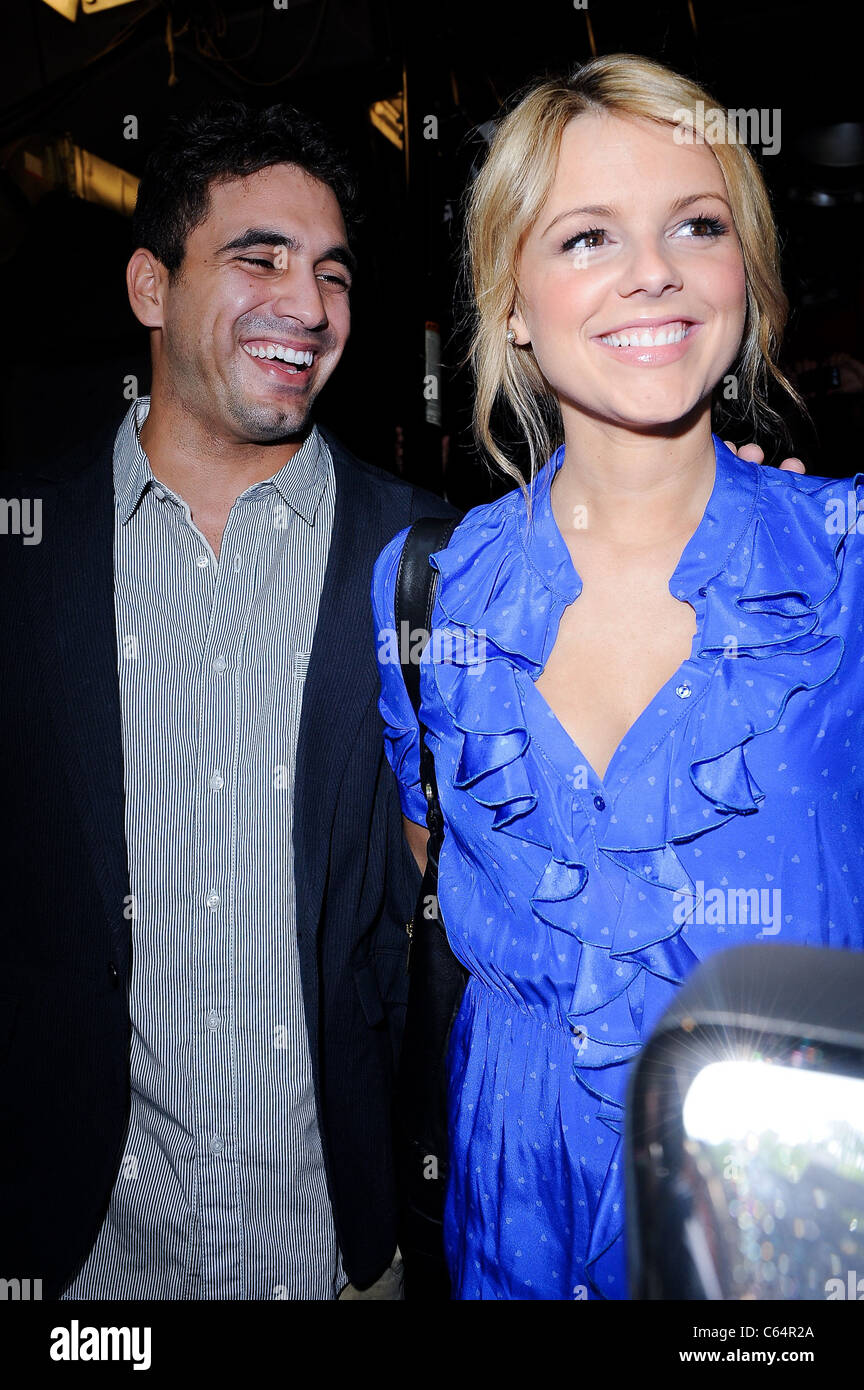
{"x": 267, "y": 270}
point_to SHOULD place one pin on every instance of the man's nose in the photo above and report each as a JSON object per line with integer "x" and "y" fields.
{"x": 299, "y": 297}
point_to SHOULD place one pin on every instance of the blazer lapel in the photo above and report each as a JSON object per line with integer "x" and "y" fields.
{"x": 73, "y": 618}
{"x": 341, "y": 680}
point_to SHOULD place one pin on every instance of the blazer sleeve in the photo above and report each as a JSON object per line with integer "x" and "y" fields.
{"x": 401, "y": 732}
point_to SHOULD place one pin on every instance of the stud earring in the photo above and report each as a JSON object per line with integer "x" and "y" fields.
{"x": 511, "y": 336}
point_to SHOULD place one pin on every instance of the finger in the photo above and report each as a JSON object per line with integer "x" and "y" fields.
{"x": 793, "y": 465}
{"x": 751, "y": 453}
{"x": 730, "y": 445}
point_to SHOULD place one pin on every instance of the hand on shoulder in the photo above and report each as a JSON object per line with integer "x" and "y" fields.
{"x": 751, "y": 453}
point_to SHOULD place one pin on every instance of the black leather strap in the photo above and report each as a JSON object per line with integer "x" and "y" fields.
{"x": 416, "y": 583}
{"x": 437, "y": 977}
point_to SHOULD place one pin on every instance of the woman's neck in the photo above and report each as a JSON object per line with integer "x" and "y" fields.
{"x": 632, "y": 491}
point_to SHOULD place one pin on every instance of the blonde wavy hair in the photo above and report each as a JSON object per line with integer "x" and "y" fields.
{"x": 507, "y": 197}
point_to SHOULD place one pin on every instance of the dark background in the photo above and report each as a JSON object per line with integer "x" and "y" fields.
{"x": 70, "y": 339}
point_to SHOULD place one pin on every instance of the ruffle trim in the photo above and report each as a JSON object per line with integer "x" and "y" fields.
{"x": 496, "y": 603}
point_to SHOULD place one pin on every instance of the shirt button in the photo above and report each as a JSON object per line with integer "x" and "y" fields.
{"x": 599, "y": 803}
{"x": 202, "y": 561}
{"x": 113, "y": 974}
{"x": 213, "y": 1019}
{"x": 238, "y": 562}
{"x": 213, "y": 900}
{"x": 220, "y": 664}
{"x": 217, "y": 1144}
{"x": 217, "y": 782}
{"x": 683, "y": 691}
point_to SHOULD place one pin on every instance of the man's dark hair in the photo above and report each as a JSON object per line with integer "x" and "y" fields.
{"x": 227, "y": 140}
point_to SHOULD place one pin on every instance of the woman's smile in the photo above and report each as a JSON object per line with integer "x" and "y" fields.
{"x": 650, "y": 342}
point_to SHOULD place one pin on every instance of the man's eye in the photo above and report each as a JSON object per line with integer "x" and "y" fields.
{"x": 337, "y": 280}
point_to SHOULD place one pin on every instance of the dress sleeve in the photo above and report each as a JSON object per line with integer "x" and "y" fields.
{"x": 401, "y": 733}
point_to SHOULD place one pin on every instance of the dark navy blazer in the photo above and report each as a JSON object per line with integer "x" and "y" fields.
{"x": 65, "y": 937}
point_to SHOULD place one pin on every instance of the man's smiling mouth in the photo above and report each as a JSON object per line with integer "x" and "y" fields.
{"x": 292, "y": 361}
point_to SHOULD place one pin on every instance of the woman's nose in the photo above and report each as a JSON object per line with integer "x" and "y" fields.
{"x": 650, "y": 267}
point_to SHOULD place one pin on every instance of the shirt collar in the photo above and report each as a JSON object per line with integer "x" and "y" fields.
{"x": 724, "y": 522}
{"x": 300, "y": 481}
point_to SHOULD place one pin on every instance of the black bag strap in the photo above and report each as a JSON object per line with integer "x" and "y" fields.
{"x": 416, "y": 584}
{"x": 437, "y": 977}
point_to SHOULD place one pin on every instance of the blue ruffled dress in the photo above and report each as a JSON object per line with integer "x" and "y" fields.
{"x": 732, "y": 812}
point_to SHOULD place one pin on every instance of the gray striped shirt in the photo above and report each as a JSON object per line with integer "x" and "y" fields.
{"x": 221, "y": 1192}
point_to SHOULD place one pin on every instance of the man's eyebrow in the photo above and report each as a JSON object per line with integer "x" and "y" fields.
{"x": 341, "y": 254}
{"x": 269, "y": 236}
{"x": 600, "y": 210}
{"x": 259, "y": 236}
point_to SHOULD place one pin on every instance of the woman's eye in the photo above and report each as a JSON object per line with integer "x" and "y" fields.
{"x": 710, "y": 227}
{"x": 695, "y": 228}
{"x": 582, "y": 238}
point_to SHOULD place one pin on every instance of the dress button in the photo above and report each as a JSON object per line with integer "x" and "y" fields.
{"x": 683, "y": 691}
{"x": 600, "y": 803}
{"x": 703, "y": 592}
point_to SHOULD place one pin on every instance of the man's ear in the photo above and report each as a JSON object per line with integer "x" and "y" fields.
{"x": 146, "y": 282}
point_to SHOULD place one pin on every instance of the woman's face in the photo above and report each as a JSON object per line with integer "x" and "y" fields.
{"x": 631, "y": 282}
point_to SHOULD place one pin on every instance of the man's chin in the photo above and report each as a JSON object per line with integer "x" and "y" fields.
{"x": 271, "y": 423}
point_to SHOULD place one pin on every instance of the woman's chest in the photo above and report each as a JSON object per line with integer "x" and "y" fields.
{"x": 616, "y": 647}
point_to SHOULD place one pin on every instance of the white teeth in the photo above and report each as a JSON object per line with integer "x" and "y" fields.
{"x": 646, "y": 337}
{"x": 284, "y": 354}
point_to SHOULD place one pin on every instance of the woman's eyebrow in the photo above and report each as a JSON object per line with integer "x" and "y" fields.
{"x": 602, "y": 210}
{"x": 592, "y": 210}
{"x": 698, "y": 198}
